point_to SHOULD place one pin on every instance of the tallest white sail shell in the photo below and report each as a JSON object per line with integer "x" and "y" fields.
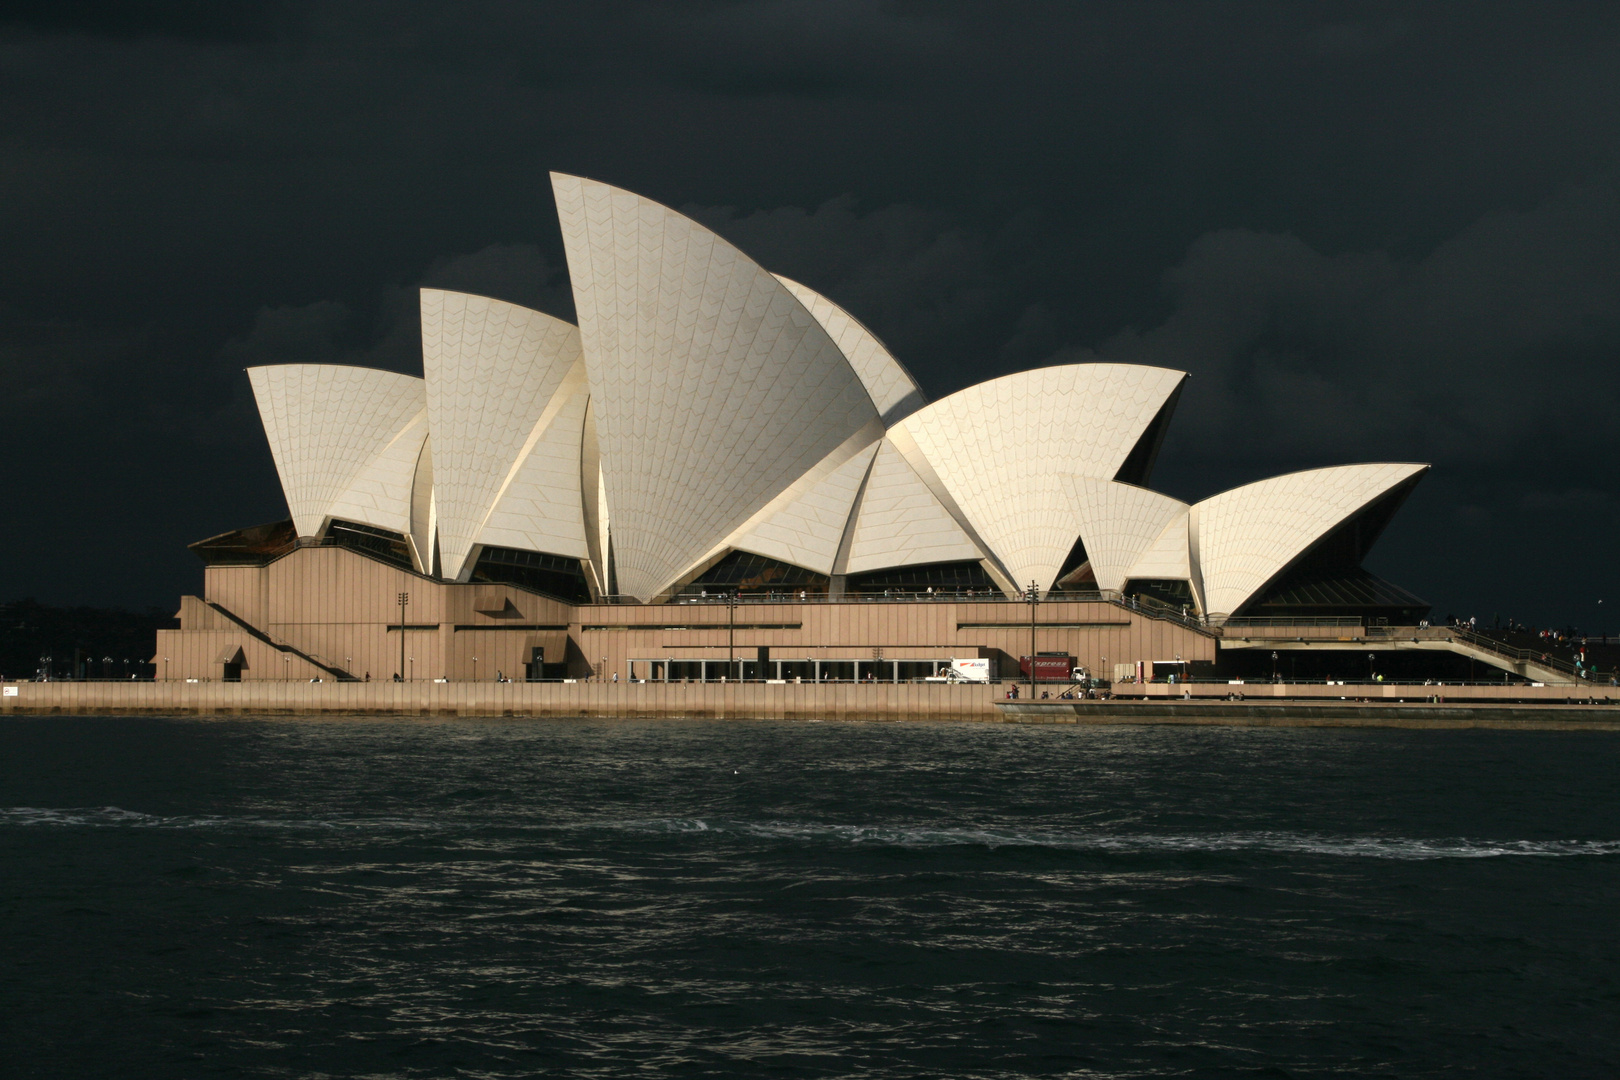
{"x": 713, "y": 388}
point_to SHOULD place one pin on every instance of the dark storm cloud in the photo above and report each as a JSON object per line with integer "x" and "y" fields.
{"x": 1369, "y": 231}
{"x": 1498, "y": 345}
{"x": 195, "y": 20}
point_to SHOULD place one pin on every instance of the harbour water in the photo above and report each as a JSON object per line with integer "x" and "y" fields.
{"x": 502, "y": 898}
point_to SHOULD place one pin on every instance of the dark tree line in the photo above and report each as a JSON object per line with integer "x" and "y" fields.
{"x": 82, "y": 642}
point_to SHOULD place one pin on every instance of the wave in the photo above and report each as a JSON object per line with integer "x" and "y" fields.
{"x": 1379, "y": 847}
{"x": 114, "y": 816}
{"x": 1085, "y": 842}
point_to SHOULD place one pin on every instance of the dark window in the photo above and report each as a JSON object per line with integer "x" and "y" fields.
{"x": 253, "y": 546}
{"x": 1316, "y": 591}
{"x": 951, "y": 577}
{"x": 745, "y": 572}
{"x": 380, "y": 544}
{"x": 1172, "y": 591}
{"x": 550, "y": 575}
{"x": 1076, "y": 574}
{"x": 1329, "y": 580}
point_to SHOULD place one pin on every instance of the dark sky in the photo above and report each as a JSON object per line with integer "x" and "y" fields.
{"x": 1369, "y": 231}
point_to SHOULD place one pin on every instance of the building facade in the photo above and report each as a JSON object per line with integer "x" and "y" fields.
{"x": 717, "y": 446}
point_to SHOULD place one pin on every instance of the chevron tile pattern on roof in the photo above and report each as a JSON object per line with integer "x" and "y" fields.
{"x": 325, "y": 424}
{"x": 999, "y": 448}
{"x": 540, "y": 510}
{"x": 892, "y": 389}
{"x": 1243, "y": 538}
{"x": 724, "y": 390}
{"x": 806, "y": 531}
{"x": 704, "y": 405}
{"x": 1118, "y": 523}
{"x": 901, "y": 523}
{"x": 381, "y": 494}
{"x": 491, "y": 369}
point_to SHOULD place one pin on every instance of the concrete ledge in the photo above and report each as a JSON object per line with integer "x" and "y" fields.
{"x": 1308, "y": 714}
{"x": 759, "y": 701}
{"x": 727, "y": 701}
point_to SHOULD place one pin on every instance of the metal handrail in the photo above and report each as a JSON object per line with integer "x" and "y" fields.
{"x": 1242, "y": 621}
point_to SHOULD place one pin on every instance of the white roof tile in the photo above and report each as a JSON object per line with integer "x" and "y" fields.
{"x": 1119, "y": 524}
{"x": 326, "y": 423}
{"x": 493, "y": 369}
{"x": 1243, "y": 539}
{"x": 998, "y": 449}
{"x": 669, "y": 311}
{"x": 892, "y": 389}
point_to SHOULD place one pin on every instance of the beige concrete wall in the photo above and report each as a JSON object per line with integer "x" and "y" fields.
{"x": 905, "y": 701}
{"x": 826, "y": 701}
{"x": 339, "y": 607}
{"x": 1259, "y": 691}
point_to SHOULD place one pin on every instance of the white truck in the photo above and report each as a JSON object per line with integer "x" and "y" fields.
{"x": 973, "y": 669}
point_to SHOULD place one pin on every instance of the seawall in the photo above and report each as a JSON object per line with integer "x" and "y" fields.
{"x": 762, "y": 701}
{"x": 719, "y": 701}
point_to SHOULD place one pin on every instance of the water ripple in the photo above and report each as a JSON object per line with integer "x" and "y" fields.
{"x": 876, "y": 835}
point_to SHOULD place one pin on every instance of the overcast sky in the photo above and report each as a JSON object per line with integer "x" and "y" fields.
{"x": 1368, "y": 231}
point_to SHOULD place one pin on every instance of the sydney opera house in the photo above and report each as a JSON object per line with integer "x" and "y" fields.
{"x": 721, "y": 473}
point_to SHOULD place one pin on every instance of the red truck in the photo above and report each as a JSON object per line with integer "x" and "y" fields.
{"x": 1048, "y": 668}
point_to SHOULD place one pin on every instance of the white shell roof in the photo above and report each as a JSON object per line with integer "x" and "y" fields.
{"x": 381, "y": 494}
{"x": 892, "y": 389}
{"x": 998, "y": 449}
{"x": 809, "y": 525}
{"x": 1119, "y": 523}
{"x": 901, "y": 523}
{"x": 714, "y": 390}
{"x": 1166, "y": 558}
{"x": 704, "y": 404}
{"x": 326, "y": 423}
{"x": 492, "y": 371}
{"x": 1243, "y": 538}
{"x": 540, "y": 508}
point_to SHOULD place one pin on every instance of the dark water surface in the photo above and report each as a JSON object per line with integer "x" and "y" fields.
{"x": 507, "y": 898}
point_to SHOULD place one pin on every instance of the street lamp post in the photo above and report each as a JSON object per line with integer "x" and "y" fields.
{"x": 1034, "y": 599}
{"x": 731, "y": 632}
{"x": 404, "y": 598}
{"x": 411, "y": 676}
{"x": 475, "y": 669}
{"x": 1370, "y": 666}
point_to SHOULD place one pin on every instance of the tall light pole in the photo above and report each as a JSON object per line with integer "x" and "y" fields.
{"x": 1034, "y": 599}
{"x": 731, "y": 628}
{"x": 475, "y": 669}
{"x": 404, "y": 598}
